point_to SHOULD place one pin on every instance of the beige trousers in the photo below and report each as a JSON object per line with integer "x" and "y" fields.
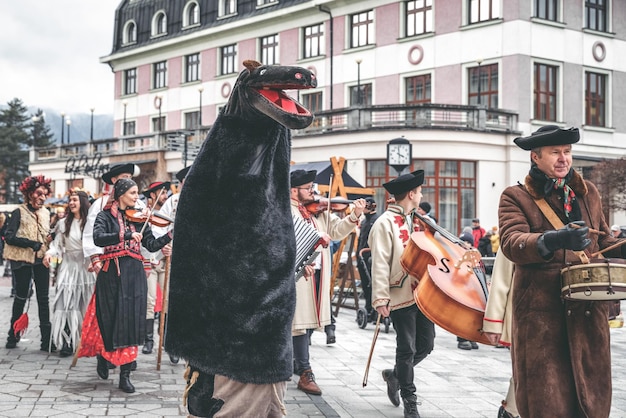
{"x": 249, "y": 400}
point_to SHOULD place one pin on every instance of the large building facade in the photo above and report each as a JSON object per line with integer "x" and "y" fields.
{"x": 459, "y": 79}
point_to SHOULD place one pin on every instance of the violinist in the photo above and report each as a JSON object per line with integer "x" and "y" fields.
{"x": 313, "y": 308}
{"x": 156, "y": 195}
{"x": 392, "y": 289}
{"x": 121, "y": 289}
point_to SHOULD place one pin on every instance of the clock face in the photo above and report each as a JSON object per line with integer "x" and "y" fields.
{"x": 399, "y": 154}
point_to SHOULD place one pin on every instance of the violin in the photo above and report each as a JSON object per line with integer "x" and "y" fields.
{"x": 155, "y": 218}
{"x": 336, "y": 204}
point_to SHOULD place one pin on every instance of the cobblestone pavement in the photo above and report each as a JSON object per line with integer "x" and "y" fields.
{"x": 450, "y": 382}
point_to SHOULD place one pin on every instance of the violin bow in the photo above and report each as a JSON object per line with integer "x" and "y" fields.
{"x": 330, "y": 189}
{"x": 143, "y": 228}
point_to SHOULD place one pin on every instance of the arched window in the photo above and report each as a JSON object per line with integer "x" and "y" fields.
{"x": 159, "y": 24}
{"x": 191, "y": 14}
{"x": 130, "y": 33}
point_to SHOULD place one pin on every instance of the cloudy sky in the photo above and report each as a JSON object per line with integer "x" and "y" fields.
{"x": 50, "y": 50}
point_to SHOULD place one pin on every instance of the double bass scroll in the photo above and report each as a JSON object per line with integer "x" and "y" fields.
{"x": 452, "y": 290}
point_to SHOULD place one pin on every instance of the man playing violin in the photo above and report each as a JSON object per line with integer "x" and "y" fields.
{"x": 392, "y": 288}
{"x": 156, "y": 195}
{"x": 313, "y": 310}
{"x": 561, "y": 347}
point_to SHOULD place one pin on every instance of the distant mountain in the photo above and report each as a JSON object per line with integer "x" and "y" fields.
{"x": 80, "y": 126}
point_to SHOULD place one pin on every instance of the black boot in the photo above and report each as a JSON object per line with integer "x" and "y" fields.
{"x": 103, "y": 368}
{"x": 148, "y": 343}
{"x": 66, "y": 350}
{"x": 410, "y": 407}
{"x": 46, "y": 344}
{"x": 199, "y": 393}
{"x": 330, "y": 334}
{"x": 125, "y": 384}
{"x": 12, "y": 339}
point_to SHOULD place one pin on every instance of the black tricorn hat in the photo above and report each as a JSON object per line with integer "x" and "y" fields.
{"x": 180, "y": 176}
{"x": 116, "y": 170}
{"x": 405, "y": 182}
{"x": 156, "y": 186}
{"x": 547, "y": 136}
{"x": 300, "y": 177}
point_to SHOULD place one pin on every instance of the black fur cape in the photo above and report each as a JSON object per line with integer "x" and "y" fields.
{"x": 232, "y": 286}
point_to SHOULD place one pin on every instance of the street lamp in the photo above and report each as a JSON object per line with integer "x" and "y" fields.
{"x": 200, "y": 90}
{"x": 62, "y": 126}
{"x": 91, "y": 130}
{"x": 69, "y": 124}
{"x": 479, "y": 61}
{"x": 358, "y": 81}
{"x": 160, "y": 125}
{"x": 124, "y": 103}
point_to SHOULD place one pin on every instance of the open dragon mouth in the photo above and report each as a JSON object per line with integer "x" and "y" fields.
{"x": 279, "y": 99}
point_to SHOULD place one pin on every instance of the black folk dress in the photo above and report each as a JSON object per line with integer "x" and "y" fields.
{"x": 121, "y": 286}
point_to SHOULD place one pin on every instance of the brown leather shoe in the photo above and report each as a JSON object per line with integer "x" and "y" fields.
{"x": 307, "y": 383}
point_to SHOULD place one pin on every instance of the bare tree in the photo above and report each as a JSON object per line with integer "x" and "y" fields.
{"x": 610, "y": 178}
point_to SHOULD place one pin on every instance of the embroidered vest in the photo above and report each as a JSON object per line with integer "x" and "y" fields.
{"x": 34, "y": 226}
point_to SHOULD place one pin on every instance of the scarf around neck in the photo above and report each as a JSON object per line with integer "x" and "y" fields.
{"x": 570, "y": 204}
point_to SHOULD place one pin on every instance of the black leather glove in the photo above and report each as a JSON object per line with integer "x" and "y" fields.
{"x": 37, "y": 246}
{"x": 569, "y": 237}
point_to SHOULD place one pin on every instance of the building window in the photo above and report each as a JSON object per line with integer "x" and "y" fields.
{"x": 159, "y": 74}
{"x": 158, "y": 124}
{"x": 192, "y": 120}
{"x": 227, "y": 7}
{"x": 260, "y": 3}
{"x": 130, "y": 81}
{"x": 419, "y": 17}
{"x": 449, "y": 187}
{"x": 418, "y": 89}
{"x": 312, "y": 101}
{"x": 269, "y": 50}
{"x": 130, "y": 33}
{"x": 483, "y": 86}
{"x": 362, "y": 29}
{"x": 547, "y": 9}
{"x": 545, "y": 92}
{"x": 483, "y": 10}
{"x": 596, "y": 12}
{"x": 228, "y": 59}
{"x": 159, "y": 24}
{"x": 191, "y": 14}
{"x": 128, "y": 128}
{"x": 595, "y": 99}
{"x": 192, "y": 67}
{"x": 362, "y": 99}
{"x": 313, "y": 37}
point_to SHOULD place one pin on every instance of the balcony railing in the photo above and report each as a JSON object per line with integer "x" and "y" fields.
{"x": 424, "y": 116}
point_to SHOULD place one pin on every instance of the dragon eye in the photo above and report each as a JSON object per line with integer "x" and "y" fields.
{"x": 262, "y": 71}
{"x": 298, "y": 76}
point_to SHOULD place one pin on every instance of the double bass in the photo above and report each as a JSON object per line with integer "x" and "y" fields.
{"x": 452, "y": 290}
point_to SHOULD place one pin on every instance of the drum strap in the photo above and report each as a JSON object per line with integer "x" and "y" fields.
{"x": 557, "y": 224}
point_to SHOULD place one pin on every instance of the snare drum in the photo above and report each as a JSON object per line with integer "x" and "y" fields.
{"x": 601, "y": 279}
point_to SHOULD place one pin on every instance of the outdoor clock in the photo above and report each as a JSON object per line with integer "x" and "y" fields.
{"x": 399, "y": 154}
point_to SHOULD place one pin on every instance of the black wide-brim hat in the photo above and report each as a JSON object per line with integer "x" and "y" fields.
{"x": 548, "y": 135}
{"x": 180, "y": 176}
{"x": 116, "y": 170}
{"x": 300, "y": 177}
{"x": 405, "y": 182}
{"x": 156, "y": 186}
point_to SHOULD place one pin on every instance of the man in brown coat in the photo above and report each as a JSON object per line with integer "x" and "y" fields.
{"x": 561, "y": 348}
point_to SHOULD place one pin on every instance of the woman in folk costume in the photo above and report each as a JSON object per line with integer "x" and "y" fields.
{"x": 121, "y": 288}
{"x": 313, "y": 310}
{"x": 75, "y": 283}
{"x": 27, "y": 237}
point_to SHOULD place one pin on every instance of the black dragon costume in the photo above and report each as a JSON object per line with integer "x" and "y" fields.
{"x": 232, "y": 294}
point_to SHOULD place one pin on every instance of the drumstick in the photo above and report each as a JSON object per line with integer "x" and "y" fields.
{"x": 617, "y": 244}
{"x": 595, "y": 231}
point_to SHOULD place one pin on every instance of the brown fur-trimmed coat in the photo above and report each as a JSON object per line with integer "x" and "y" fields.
{"x": 561, "y": 349}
